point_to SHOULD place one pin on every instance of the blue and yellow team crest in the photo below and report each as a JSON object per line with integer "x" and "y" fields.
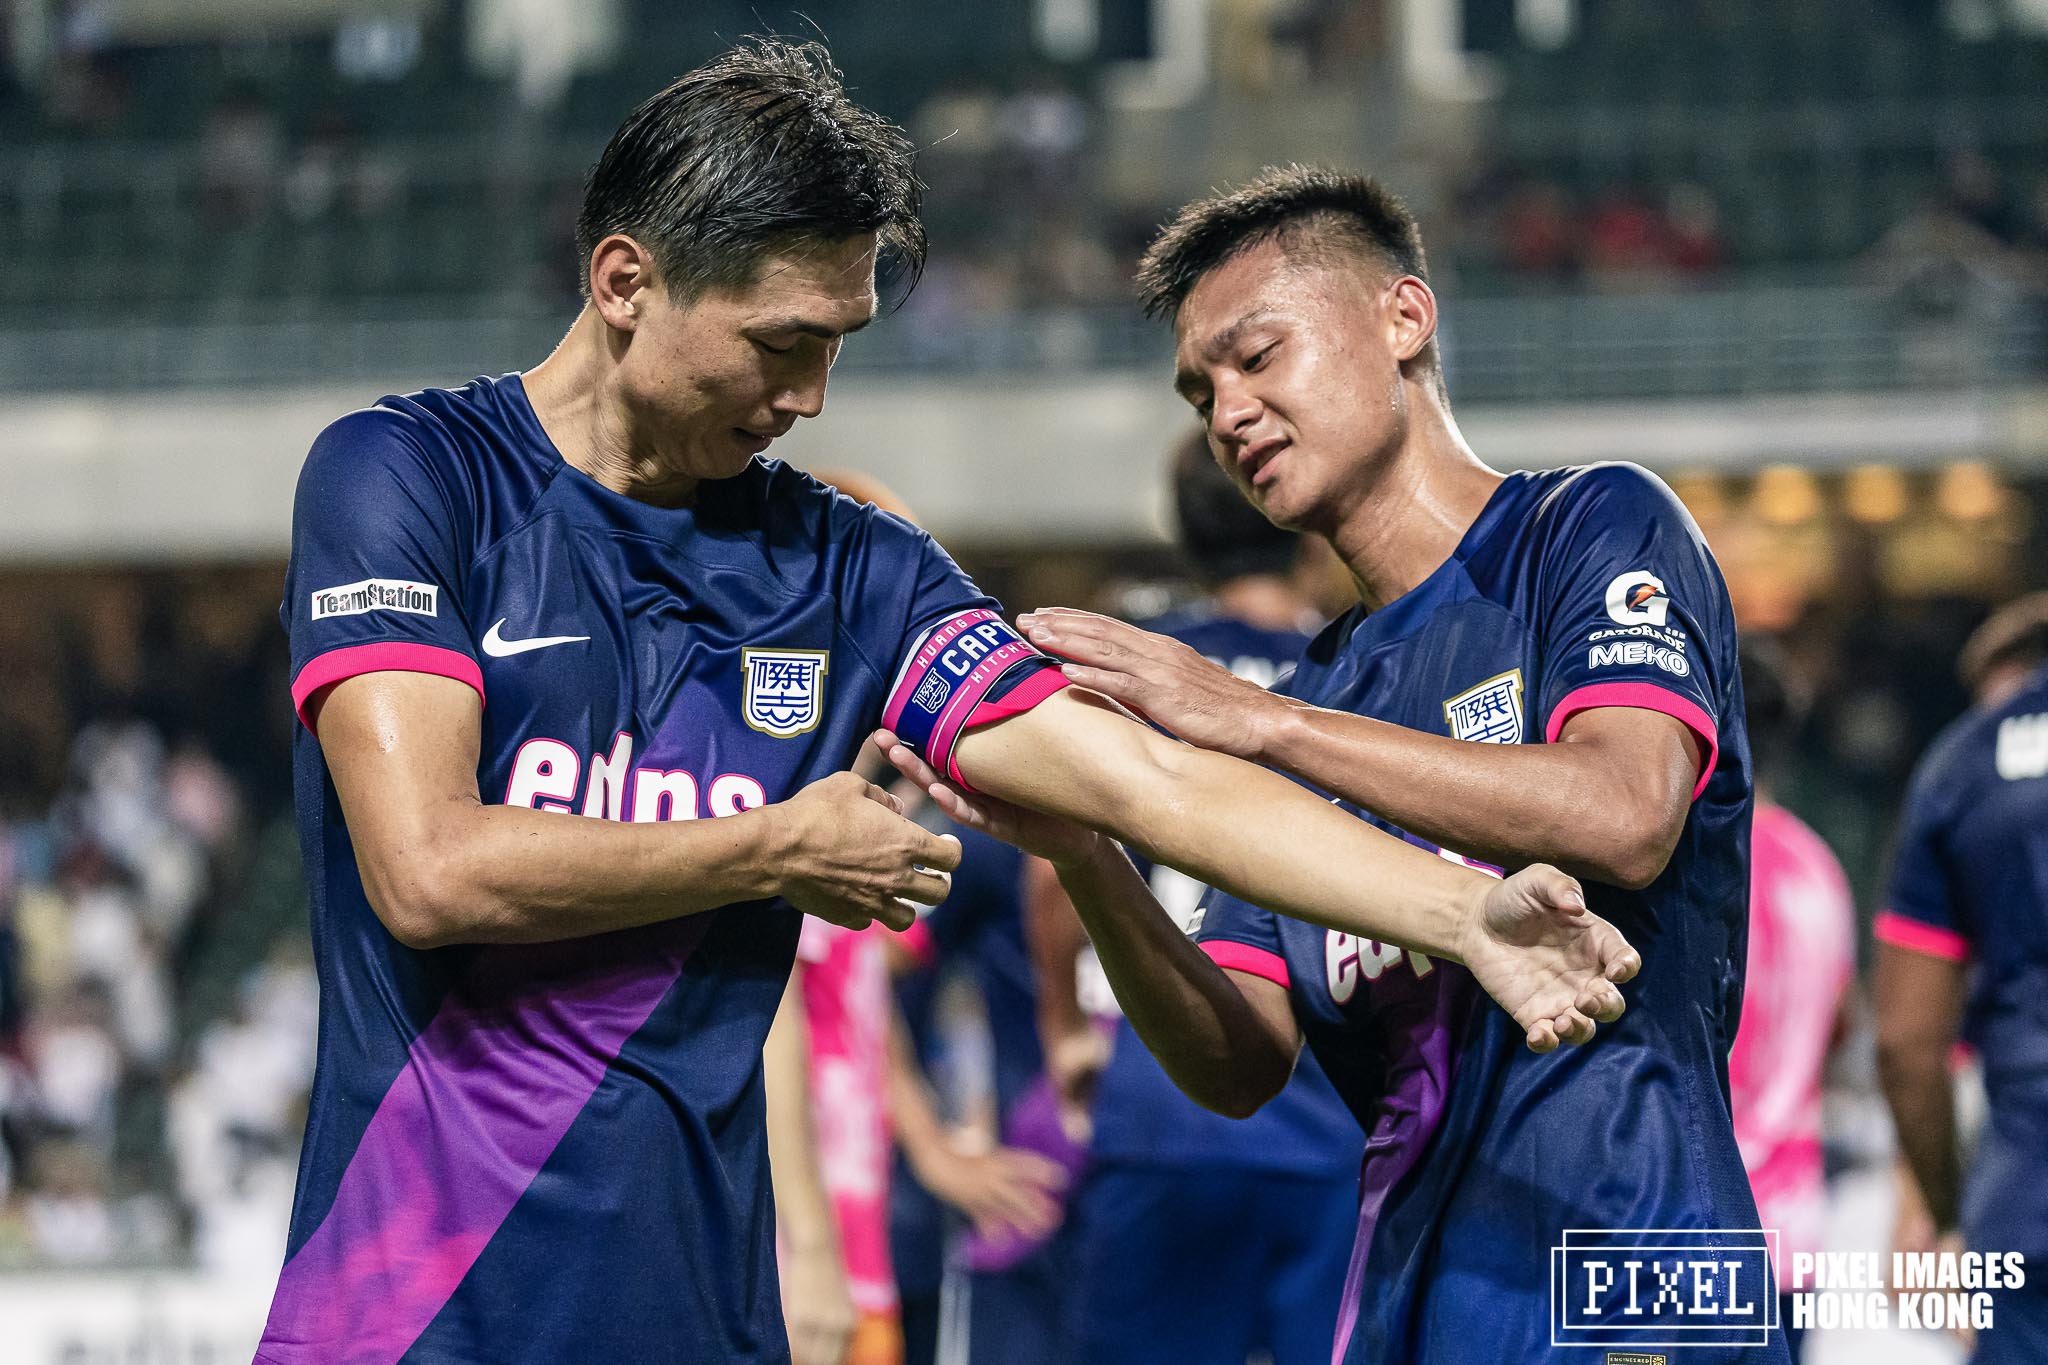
{"x": 785, "y": 692}
{"x": 1490, "y": 713}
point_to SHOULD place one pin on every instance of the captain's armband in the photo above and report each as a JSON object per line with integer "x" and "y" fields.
{"x": 971, "y": 669}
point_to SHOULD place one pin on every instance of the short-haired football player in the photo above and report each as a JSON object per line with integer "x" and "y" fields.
{"x": 1542, "y": 668}
{"x": 580, "y": 676}
{"x": 1962, "y": 953}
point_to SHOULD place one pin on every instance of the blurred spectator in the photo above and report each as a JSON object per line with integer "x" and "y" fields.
{"x": 241, "y": 153}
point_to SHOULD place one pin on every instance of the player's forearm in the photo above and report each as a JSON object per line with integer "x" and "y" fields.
{"x": 1510, "y": 805}
{"x": 1054, "y": 933}
{"x": 1917, "y": 1087}
{"x": 505, "y": 874}
{"x": 803, "y": 1209}
{"x": 1189, "y": 1014}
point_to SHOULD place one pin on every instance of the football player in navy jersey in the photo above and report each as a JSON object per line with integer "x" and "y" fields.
{"x": 536, "y": 1124}
{"x": 1543, "y": 667}
{"x": 1962, "y": 951}
{"x": 1203, "y": 1239}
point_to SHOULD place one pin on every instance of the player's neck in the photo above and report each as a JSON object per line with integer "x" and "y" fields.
{"x": 1264, "y": 601}
{"x": 1419, "y": 507}
{"x": 576, "y": 401}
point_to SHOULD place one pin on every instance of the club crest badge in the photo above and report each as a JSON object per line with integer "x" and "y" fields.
{"x": 1490, "y": 713}
{"x": 785, "y": 690}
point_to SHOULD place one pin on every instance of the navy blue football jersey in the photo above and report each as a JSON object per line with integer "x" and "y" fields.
{"x": 556, "y": 1152}
{"x": 1140, "y": 1115}
{"x": 1574, "y": 589}
{"x": 1970, "y": 883}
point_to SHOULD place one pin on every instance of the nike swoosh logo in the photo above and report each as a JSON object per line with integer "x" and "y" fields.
{"x": 498, "y": 647}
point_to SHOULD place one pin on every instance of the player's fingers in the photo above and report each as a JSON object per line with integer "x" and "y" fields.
{"x": 1560, "y": 891}
{"x": 1574, "y": 1028}
{"x": 961, "y": 809}
{"x": 910, "y": 765}
{"x": 881, "y": 796}
{"x": 939, "y": 852}
{"x": 925, "y": 888}
{"x": 897, "y": 912}
{"x": 1602, "y": 1002}
{"x": 1033, "y": 1169}
{"x": 1124, "y": 688}
{"x": 1541, "y": 1037}
{"x": 1623, "y": 965}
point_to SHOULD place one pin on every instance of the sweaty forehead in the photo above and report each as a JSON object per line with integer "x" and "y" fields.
{"x": 832, "y": 282}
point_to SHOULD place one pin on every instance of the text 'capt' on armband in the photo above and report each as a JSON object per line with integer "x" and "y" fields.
{"x": 969, "y": 670}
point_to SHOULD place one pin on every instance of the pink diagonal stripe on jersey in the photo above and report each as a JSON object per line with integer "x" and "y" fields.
{"x": 486, "y": 1093}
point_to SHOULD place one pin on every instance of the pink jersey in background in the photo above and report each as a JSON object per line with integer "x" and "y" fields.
{"x": 1802, "y": 953}
{"x": 846, "y": 1011}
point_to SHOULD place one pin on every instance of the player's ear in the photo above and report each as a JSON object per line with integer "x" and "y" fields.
{"x": 621, "y": 273}
{"x": 1411, "y": 317}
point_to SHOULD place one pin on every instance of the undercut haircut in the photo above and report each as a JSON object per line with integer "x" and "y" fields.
{"x": 756, "y": 153}
{"x": 1221, "y": 533}
{"x": 1317, "y": 216}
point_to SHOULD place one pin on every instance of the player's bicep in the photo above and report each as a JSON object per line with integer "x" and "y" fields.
{"x": 402, "y": 751}
{"x": 1919, "y": 1002}
{"x": 1272, "y": 1009}
{"x": 1651, "y": 762}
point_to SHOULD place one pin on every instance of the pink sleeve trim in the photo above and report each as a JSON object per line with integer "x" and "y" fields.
{"x": 1015, "y": 702}
{"x": 917, "y": 940}
{"x": 1894, "y": 928}
{"x": 1641, "y": 696}
{"x": 1242, "y": 957}
{"x": 384, "y": 657}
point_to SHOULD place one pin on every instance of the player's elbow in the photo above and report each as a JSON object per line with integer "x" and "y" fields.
{"x": 1632, "y": 850}
{"x": 418, "y": 901}
{"x": 1910, "y": 1055}
{"x": 1239, "y": 1091}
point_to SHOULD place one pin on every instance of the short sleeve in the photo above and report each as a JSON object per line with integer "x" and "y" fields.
{"x": 1636, "y": 612}
{"x": 1922, "y": 914}
{"x": 376, "y": 561}
{"x": 1241, "y": 937}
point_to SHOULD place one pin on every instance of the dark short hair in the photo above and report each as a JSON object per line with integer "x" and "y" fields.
{"x": 2017, "y": 633}
{"x": 1774, "y": 707}
{"x": 1311, "y": 211}
{"x": 1222, "y": 534}
{"x": 753, "y": 153}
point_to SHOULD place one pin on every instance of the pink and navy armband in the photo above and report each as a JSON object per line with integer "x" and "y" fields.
{"x": 971, "y": 669}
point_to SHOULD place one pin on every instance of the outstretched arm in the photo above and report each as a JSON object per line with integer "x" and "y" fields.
{"x": 1529, "y": 941}
{"x": 1267, "y": 840}
{"x": 1511, "y": 804}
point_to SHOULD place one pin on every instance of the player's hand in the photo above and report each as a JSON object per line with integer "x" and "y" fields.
{"x": 1548, "y": 960}
{"x": 1059, "y": 842}
{"x": 1161, "y": 679}
{"x": 1005, "y": 1192}
{"x": 1074, "y": 1062}
{"x": 851, "y": 858}
{"x": 817, "y": 1306}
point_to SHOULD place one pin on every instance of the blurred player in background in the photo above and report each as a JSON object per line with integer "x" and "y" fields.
{"x": 1204, "y": 1239}
{"x": 1577, "y": 607}
{"x": 999, "y": 1279}
{"x": 1962, "y": 952}
{"x": 1797, "y": 993}
{"x": 540, "y": 1038}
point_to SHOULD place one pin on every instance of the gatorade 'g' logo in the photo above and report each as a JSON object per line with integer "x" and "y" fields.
{"x": 1637, "y": 598}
